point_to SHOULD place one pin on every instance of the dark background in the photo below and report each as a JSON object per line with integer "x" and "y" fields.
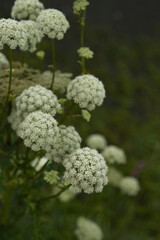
{"x": 134, "y": 17}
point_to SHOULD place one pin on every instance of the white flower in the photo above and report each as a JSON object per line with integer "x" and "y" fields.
{"x": 87, "y": 91}
{"x": 13, "y": 34}
{"x": 114, "y": 154}
{"x": 38, "y": 163}
{"x": 52, "y": 23}
{"x": 14, "y": 119}
{"x": 26, "y": 9}
{"x": 80, "y": 5}
{"x": 37, "y": 98}
{"x": 38, "y": 131}
{"x": 96, "y": 141}
{"x": 114, "y": 176}
{"x": 34, "y": 34}
{"x": 86, "y": 170}
{"x": 61, "y": 80}
{"x": 67, "y": 141}
{"x": 88, "y": 230}
{"x": 3, "y": 61}
{"x": 85, "y": 52}
{"x": 129, "y": 186}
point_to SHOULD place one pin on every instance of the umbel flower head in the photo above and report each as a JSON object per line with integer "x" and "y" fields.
{"x": 3, "y": 61}
{"x": 26, "y": 9}
{"x": 114, "y": 176}
{"x": 85, "y": 52}
{"x": 88, "y": 230}
{"x": 79, "y": 5}
{"x": 38, "y": 130}
{"x": 53, "y": 23}
{"x": 129, "y": 186}
{"x": 87, "y": 91}
{"x": 86, "y": 170}
{"x": 14, "y": 119}
{"x": 67, "y": 141}
{"x": 13, "y": 34}
{"x": 114, "y": 154}
{"x": 34, "y": 34}
{"x": 37, "y": 98}
{"x": 96, "y": 141}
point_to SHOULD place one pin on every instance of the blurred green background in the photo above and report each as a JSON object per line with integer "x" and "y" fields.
{"x": 125, "y": 38}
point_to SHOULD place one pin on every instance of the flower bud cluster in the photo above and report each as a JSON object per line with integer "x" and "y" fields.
{"x": 87, "y": 91}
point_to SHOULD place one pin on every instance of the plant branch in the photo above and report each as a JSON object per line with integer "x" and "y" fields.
{"x": 54, "y": 62}
{"x": 52, "y": 196}
{"x": 10, "y": 74}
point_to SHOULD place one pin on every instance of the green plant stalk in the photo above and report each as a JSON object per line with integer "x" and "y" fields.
{"x": 54, "y": 62}
{"x": 10, "y": 74}
{"x": 53, "y": 196}
{"x": 41, "y": 66}
{"x": 6, "y": 204}
{"x": 82, "y": 40}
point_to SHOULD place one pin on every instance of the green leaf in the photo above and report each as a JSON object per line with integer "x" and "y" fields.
{"x": 86, "y": 115}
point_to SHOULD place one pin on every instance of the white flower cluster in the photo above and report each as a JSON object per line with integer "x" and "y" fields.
{"x": 13, "y": 34}
{"x": 53, "y": 23}
{"x": 88, "y": 230}
{"x": 80, "y": 5}
{"x": 26, "y": 9}
{"x": 129, "y": 186}
{"x": 3, "y": 61}
{"x": 87, "y": 91}
{"x": 85, "y": 52}
{"x": 37, "y": 98}
{"x": 38, "y": 131}
{"x": 61, "y": 80}
{"x": 86, "y": 170}
{"x": 14, "y": 119}
{"x": 96, "y": 141}
{"x": 67, "y": 141}
{"x": 114, "y": 154}
{"x": 114, "y": 176}
{"x": 34, "y": 34}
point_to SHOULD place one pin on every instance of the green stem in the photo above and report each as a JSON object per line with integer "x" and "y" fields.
{"x": 54, "y": 62}
{"x": 10, "y": 74}
{"x": 53, "y": 196}
{"x": 82, "y": 27}
{"x": 82, "y": 40}
{"x": 41, "y": 66}
{"x": 23, "y": 58}
{"x": 65, "y": 115}
{"x": 6, "y": 204}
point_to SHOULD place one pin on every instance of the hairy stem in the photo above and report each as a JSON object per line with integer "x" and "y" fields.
{"x": 54, "y": 62}
{"x": 82, "y": 40}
